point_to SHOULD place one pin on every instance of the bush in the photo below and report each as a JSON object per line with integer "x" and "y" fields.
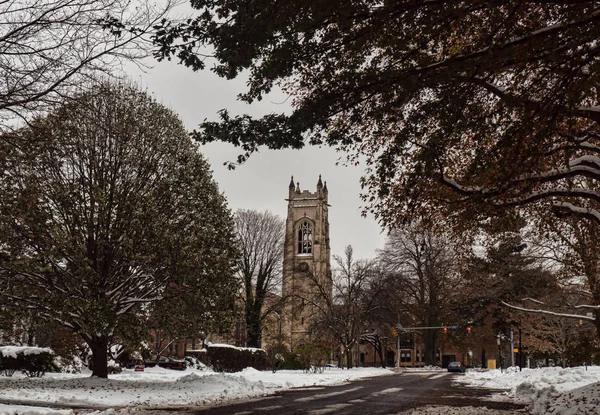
{"x": 312, "y": 355}
{"x": 224, "y": 358}
{"x": 199, "y": 354}
{"x": 70, "y": 364}
{"x": 195, "y": 363}
{"x": 290, "y": 362}
{"x": 32, "y": 361}
{"x": 114, "y": 367}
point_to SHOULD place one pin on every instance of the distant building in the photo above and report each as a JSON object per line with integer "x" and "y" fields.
{"x": 306, "y": 262}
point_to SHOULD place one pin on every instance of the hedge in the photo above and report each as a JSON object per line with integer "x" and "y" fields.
{"x": 225, "y": 358}
{"x": 32, "y": 361}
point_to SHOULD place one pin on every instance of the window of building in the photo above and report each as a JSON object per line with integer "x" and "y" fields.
{"x": 305, "y": 238}
{"x": 417, "y": 356}
{"x": 405, "y": 356}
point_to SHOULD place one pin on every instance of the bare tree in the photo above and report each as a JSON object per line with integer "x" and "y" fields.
{"x": 341, "y": 306}
{"x": 571, "y": 245}
{"x": 48, "y": 47}
{"x": 261, "y": 237}
{"x": 424, "y": 266}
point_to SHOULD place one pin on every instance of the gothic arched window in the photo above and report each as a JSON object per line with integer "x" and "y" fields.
{"x": 305, "y": 238}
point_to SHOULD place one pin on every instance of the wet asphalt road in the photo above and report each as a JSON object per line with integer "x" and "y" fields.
{"x": 378, "y": 395}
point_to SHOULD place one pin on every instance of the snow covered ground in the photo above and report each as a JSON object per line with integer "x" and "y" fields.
{"x": 550, "y": 390}
{"x": 157, "y": 388}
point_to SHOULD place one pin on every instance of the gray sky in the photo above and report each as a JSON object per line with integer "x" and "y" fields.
{"x": 262, "y": 182}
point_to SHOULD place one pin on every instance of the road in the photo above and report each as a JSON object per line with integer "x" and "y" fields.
{"x": 378, "y": 395}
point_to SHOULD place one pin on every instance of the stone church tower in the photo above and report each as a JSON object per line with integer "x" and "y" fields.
{"x": 306, "y": 263}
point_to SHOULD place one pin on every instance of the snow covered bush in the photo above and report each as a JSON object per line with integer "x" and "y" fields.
{"x": 114, "y": 367}
{"x": 195, "y": 363}
{"x": 32, "y": 361}
{"x": 71, "y": 364}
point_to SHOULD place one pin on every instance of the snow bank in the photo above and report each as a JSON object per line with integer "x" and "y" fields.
{"x": 551, "y": 390}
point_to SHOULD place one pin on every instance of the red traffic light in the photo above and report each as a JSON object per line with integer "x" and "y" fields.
{"x": 445, "y": 329}
{"x": 469, "y": 329}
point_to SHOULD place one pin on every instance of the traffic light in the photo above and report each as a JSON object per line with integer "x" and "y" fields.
{"x": 469, "y": 330}
{"x": 395, "y": 331}
{"x": 445, "y": 330}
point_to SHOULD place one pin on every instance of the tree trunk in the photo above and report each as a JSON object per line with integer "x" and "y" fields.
{"x": 381, "y": 356}
{"x": 430, "y": 345}
{"x": 348, "y": 351}
{"x": 253, "y": 327}
{"x": 99, "y": 347}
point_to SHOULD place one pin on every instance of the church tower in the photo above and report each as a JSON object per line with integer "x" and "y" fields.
{"x": 306, "y": 263}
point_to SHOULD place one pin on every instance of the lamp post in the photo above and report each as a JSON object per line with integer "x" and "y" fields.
{"x": 520, "y": 349}
{"x": 499, "y": 355}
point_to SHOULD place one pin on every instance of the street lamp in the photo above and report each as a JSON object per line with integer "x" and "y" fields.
{"x": 499, "y": 355}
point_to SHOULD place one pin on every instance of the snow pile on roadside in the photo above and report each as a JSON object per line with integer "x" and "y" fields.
{"x": 584, "y": 400}
{"x": 551, "y": 390}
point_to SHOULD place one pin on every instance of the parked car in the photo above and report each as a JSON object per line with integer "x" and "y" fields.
{"x": 456, "y": 367}
{"x": 166, "y": 362}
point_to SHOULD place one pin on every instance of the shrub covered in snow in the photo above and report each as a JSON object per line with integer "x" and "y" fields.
{"x": 195, "y": 363}
{"x": 32, "y": 361}
{"x": 71, "y": 364}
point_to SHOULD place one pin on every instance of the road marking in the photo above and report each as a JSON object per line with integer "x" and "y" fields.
{"x": 329, "y": 409}
{"x": 386, "y": 391}
{"x": 244, "y": 413}
{"x": 357, "y": 401}
{"x": 327, "y": 395}
{"x": 441, "y": 375}
{"x": 268, "y": 408}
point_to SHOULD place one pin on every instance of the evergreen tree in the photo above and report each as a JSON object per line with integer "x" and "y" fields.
{"x": 506, "y": 273}
{"x": 105, "y": 204}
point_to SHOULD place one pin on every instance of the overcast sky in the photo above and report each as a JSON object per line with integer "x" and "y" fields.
{"x": 262, "y": 182}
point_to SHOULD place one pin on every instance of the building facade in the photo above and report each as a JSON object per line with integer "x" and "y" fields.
{"x": 306, "y": 263}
